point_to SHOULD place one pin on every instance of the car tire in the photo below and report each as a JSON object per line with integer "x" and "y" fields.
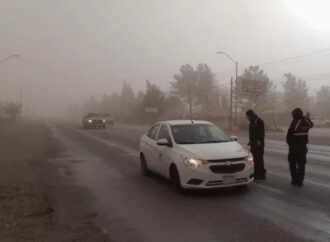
{"x": 144, "y": 167}
{"x": 175, "y": 179}
{"x": 242, "y": 187}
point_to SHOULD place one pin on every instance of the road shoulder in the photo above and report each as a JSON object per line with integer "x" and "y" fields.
{"x": 35, "y": 205}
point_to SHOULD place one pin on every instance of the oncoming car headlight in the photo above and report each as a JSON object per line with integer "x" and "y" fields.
{"x": 195, "y": 163}
{"x": 104, "y": 120}
{"x": 90, "y": 121}
{"x": 249, "y": 158}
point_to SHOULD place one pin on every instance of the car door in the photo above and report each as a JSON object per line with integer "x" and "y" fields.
{"x": 164, "y": 152}
{"x": 151, "y": 147}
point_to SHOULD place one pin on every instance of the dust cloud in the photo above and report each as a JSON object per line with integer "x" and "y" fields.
{"x": 71, "y": 51}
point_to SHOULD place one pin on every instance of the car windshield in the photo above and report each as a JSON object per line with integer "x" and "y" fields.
{"x": 198, "y": 134}
{"x": 93, "y": 115}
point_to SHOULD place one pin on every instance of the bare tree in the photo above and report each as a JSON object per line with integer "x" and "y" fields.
{"x": 295, "y": 93}
{"x": 186, "y": 85}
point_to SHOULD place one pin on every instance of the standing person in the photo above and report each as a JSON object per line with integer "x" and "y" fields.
{"x": 297, "y": 139}
{"x": 257, "y": 143}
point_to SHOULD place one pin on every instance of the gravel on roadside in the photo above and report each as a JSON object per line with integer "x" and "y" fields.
{"x": 28, "y": 203}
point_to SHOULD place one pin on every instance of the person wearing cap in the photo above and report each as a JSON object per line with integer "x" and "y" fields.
{"x": 297, "y": 139}
{"x": 257, "y": 143}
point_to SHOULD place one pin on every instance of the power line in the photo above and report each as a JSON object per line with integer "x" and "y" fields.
{"x": 286, "y": 59}
{"x": 310, "y": 77}
{"x": 295, "y": 57}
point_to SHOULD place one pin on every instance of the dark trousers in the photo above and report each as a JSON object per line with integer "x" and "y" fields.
{"x": 297, "y": 162}
{"x": 258, "y": 157}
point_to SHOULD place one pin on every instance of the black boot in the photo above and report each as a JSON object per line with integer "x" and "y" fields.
{"x": 300, "y": 184}
{"x": 294, "y": 183}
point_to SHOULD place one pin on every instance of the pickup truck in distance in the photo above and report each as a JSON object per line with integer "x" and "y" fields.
{"x": 94, "y": 120}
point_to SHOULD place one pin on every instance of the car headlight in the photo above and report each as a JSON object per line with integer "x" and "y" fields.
{"x": 195, "y": 163}
{"x": 90, "y": 121}
{"x": 104, "y": 120}
{"x": 249, "y": 159}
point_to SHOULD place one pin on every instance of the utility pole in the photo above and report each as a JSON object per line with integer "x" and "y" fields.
{"x": 231, "y": 104}
{"x": 236, "y": 95}
{"x": 190, "y": 99}
{"x": 21, "y": 100}
{"x": 236, "y": 86}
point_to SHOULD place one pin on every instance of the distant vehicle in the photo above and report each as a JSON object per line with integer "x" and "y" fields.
{"x": 109, "y": 119}
{"x": 195, "y": 155}
{"x": 94, "y": 120}
{"x": 320, "y": 122}
{"x": 327, "y": 124}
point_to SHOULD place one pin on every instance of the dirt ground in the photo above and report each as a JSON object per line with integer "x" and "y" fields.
{"x": 32, "y": 198}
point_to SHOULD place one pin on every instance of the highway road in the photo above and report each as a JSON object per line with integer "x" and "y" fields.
{"x": 130, "y": 207}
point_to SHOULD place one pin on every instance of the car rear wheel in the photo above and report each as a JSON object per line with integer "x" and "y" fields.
{"x": 175, "y": 179}
{"x": 144, "y": 167}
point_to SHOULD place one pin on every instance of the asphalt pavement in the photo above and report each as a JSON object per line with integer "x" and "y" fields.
{"x": 131, "y": 207}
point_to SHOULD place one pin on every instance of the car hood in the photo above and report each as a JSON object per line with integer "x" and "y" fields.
{"x": 214, "y": 151}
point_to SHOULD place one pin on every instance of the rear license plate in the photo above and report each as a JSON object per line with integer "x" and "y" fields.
{"x": 229, "y": 179}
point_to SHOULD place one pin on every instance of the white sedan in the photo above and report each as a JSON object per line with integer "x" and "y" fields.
{"x": 194, "y": 155}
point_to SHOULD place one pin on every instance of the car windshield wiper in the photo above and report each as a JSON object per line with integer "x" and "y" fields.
{"x": 213, "y": 141}
{"x": 187, "y": 142}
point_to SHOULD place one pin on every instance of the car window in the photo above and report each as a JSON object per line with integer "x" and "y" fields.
{"x": 198, "y": 134}
{"x": 149, "y": 132}
{"x": 163, "y": 133}
{"x": 153, "y": 131}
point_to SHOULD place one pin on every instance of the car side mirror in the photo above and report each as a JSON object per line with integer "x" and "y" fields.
{"x": 234, "y": 138}
{"x": 164, "y": 142}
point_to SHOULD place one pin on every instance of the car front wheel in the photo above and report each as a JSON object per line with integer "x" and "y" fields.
{"x": 144, "y": 167}
{"x": 175, "y": 179}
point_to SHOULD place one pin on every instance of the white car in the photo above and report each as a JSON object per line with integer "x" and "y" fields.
{"x": 194, "y": 155}
{"x": 320, "y": 122}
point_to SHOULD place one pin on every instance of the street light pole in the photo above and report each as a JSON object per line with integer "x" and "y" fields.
{"x": 236, "y": 86}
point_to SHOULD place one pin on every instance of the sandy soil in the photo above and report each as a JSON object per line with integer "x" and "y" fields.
{"x": 31, "y": 197}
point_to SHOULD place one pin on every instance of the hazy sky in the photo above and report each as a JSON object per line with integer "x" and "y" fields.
{"x": 72, "y": 49}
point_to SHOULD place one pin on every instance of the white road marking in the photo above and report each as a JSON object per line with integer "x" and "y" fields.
{"x": 309, "y": 223}
{"x": 269, "y": 188}
{"x": 316, "y": 152}
{"x": 313, "y": 169}
{"x": 306, "y": 181}
{"x": 317, "y": 183}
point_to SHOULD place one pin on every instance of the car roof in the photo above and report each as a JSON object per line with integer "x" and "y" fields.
{"x": 92, "y": 115}
{"x": 183, "y": 122}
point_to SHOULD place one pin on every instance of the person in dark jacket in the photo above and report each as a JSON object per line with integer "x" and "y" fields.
{"x": 297, "y": 139}
{"x": 257, "y": 143}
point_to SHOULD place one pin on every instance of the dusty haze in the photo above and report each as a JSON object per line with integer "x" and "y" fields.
{"x": 74, "y": 49}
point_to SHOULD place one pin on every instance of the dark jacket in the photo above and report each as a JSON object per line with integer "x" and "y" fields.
{"x": 298, "y": 130}
{"x": 256, "y": 130}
